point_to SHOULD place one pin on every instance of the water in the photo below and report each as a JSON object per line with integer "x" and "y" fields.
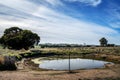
{"x": 63, "y": 64}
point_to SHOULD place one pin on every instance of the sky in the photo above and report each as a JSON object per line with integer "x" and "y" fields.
{"x": 64, "y": 21}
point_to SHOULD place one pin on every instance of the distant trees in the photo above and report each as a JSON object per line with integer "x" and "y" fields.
{"x": 16, "y": 38}
{"x": 103, "y": 42}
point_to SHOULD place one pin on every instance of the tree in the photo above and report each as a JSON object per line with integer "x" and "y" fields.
{"x": 103, "y": 42}
{"x": 16, "y": 38}
{"x": 29, "y": 39}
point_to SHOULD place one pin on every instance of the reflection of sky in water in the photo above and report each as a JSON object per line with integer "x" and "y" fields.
{"x": 63, "y": 64}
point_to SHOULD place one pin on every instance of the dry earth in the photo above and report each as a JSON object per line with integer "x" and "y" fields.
{"x": 110, "y": 73}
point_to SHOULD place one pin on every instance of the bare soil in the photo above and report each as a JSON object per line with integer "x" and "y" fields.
{"x": 109, "y": 73}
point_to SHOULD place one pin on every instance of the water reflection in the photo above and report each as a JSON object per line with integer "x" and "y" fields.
{"x": 63, "y": 64}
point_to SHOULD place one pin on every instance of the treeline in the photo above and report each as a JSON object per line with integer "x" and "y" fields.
{"x": 48, "y": 45}
{"x": 63, "y": 45}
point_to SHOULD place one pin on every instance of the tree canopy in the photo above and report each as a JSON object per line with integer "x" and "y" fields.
{"x": 17, "y": 38}
{"x": 103, "y": 41}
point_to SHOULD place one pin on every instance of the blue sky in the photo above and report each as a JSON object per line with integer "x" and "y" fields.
{"x": 64, "y": 21}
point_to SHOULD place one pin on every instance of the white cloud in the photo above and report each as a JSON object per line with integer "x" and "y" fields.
{"x": 54, "y": 2}
{"x": 54, "y": 27}
{"x": 115, "y": 24}
{"x": 88, "y": 2}
{"x": 113, "y": 15}
{"x": 20, "y": 5}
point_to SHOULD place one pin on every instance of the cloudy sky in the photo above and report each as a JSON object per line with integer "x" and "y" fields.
{"x": 64, "y": 21}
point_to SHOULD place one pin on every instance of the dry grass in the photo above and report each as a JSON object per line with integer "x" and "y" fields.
{"x": 95, "y": 74}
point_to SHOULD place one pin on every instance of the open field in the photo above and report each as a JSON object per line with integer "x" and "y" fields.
{"x": 30, "y": 72}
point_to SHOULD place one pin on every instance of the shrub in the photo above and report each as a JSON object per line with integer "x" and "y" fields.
{"x": 7, "y": 63}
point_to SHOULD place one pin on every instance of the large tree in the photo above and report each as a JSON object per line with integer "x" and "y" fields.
{"x": 103, "y": 42}
{"x": 16, "y": 38}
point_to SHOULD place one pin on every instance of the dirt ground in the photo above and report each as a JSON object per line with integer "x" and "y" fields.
{"x": 110, "y": 73}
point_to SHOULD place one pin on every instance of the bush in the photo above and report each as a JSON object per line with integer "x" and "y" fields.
{"x": 7, "y": 63}
{"x": 1, "y": 60}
